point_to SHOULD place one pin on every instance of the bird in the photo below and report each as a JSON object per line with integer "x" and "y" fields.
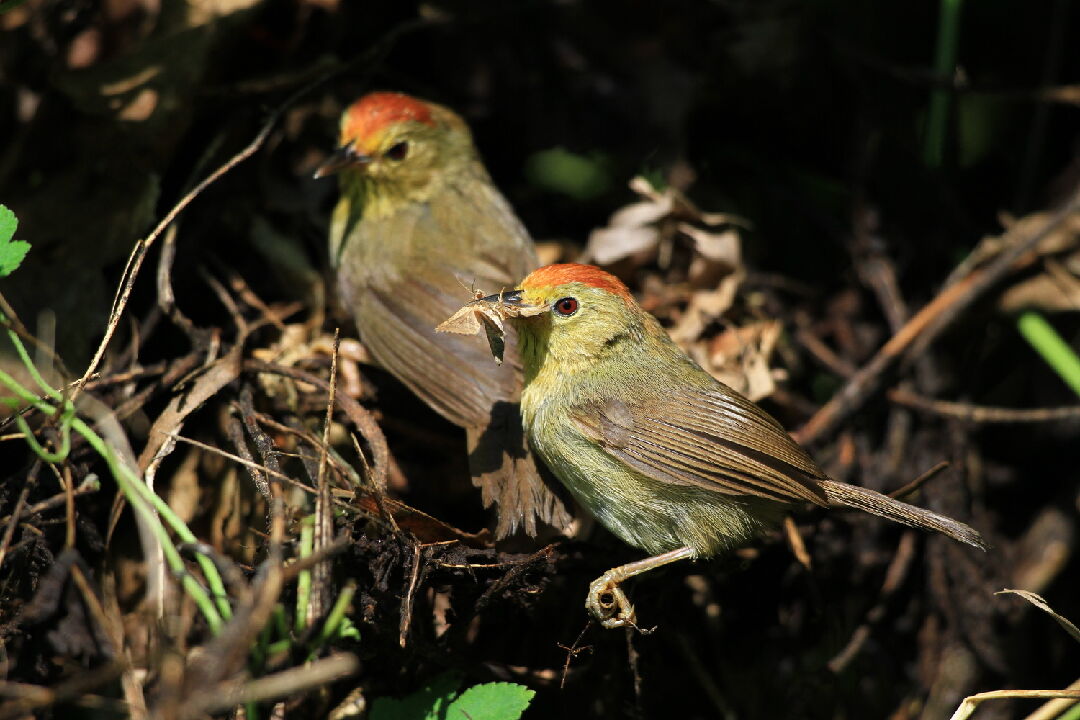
{"x": 418, "y": 221}
{"x": 663, "y": 455}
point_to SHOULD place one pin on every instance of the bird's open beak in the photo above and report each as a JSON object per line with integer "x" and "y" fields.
{"x": 343, "y": 157}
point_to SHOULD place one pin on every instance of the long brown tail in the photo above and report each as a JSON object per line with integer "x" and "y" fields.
{"x": 875, "y": 503}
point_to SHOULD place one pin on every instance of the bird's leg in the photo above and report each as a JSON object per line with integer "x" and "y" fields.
{"x": 606, "y": 600}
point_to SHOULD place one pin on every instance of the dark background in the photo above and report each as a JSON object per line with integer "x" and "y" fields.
{"x": 797, "y": 116}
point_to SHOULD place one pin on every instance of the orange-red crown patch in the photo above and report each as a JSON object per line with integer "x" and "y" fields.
{"x": 564, "y": 273}
{"x": 375, "y": 111}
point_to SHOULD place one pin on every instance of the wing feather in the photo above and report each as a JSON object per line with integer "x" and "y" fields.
{"x": 707, "y": 438}
{"x": 400, "y": 283}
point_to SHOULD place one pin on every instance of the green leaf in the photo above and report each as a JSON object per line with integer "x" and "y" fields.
{"x": 491, "y": 701}
{"x": 12, "y": 252}
{"x": 424, "y": 704}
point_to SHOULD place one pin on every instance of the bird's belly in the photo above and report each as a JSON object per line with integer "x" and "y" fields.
{"x": 654, "y": 515}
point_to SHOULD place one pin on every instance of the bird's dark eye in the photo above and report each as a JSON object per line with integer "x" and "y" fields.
{"x": 397, "y": 151}
{"x": 567, "y": 306}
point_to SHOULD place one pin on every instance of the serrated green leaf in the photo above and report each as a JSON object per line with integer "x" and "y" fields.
{"x": 491, "y": 701}
{"x": 426, "y": 703}
{"x": 8, "y": 224}
{"x": 12, "y": 252}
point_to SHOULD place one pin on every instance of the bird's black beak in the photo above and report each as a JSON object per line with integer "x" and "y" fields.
{"x": 510, "y": 298}
{"x": 343, "y": 157}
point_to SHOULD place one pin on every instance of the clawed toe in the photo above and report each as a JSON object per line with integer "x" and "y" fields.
{"x": 609, "y": 605}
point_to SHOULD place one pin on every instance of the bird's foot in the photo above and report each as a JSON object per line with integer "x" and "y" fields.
{"x": 608, "y": 603}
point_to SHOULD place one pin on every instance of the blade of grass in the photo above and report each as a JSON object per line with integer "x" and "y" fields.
{"x": 129, "y": 484}
{"x": 303, "y": 581}
{"x": 1052, "y": 347}
{"x": 945, "y": 54}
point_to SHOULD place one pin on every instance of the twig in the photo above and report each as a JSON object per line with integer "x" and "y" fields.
{"x": 267, "y": 450}
{"x": 69, "y": 504}
{"x": 825, "y": 354}
{"x": 33, "y": 697}
{"x": 20, "y": 504}
{"x": 918, "y": 482}
{"x": 573, "y": 651}
{"x": 234, "y": 428}
{"x": 410, "y": 596}
{"x": 926, "y": 325}
{"x": 237, "y": 459}
{"x": 360, "y": 417}
{"x": 972, "y": 701}
{"x": 324, "y": 521}
{"x": 142, "y": 247}
{"x": 89, "y": 484}
{"x": 295, "y": 567}
{"x": 982, "y": 413}
{"x": 279, "y": 685}
{"x": 177, "y": 369}
{"x": 91, "y": 601}
{"x": 167, "y": 299}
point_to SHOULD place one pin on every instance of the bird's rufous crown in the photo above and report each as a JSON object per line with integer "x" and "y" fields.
{"x": 565, "y": 273}
{"x": 376, "y": 111}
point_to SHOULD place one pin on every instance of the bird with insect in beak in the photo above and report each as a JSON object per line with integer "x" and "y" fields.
{"x": 418, "y": 221}
{"x": 665, "y": 456}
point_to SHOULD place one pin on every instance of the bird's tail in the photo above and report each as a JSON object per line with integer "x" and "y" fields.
{"x": 875, "y": 503}
{"x": 509, "y": 475}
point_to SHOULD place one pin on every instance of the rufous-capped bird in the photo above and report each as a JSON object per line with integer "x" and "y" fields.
{"x": 665, "y": 456}
{"x": 419, "y": 221}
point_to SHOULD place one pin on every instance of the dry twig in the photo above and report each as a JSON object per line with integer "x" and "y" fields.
{"x": 913, "y": 338}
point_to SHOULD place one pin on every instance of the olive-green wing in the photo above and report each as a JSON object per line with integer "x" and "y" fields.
{"x": 709, "y": 438}
{"x": 454, "y": 374}
{"x": 400, "y": 277}
{"x": 400, "y": 280}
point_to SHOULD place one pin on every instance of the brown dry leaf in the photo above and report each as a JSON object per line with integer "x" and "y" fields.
{"x": 170, "y": 422}
{"x": 630, "y": 230}
{"x": 739, "y": 358}
{"x": 718, "y": 270}
{"x": 704, "y": 307}
{"x": 646, "y": 226}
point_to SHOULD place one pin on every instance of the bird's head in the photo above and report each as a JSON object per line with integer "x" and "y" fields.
{"x": 574, "y": 313}
{"x": 398, "y": 143}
